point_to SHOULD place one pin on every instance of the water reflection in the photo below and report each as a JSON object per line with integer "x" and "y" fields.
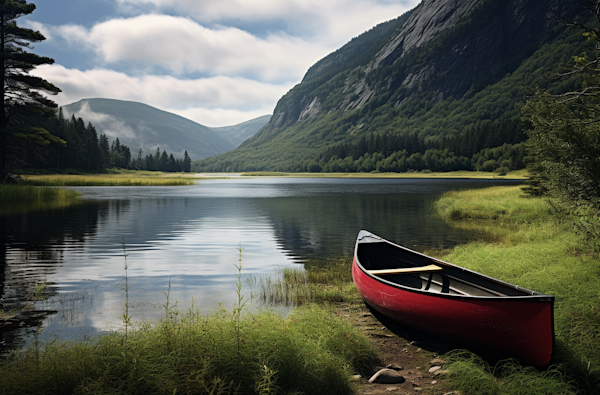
{"x": 184, "y": 241}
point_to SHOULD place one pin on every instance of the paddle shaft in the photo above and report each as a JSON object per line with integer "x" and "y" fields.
{"x": 428, "y": 268}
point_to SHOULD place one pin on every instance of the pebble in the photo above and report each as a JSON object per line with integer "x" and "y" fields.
{"x": 387, "y": 376}
{"x": 434, "y": 369}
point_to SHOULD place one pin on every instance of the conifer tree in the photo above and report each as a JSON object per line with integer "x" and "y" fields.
{"x": 22, "y": 98}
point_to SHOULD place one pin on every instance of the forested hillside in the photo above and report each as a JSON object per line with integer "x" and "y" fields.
{"x": 139, "y": 125}
{"x": 83, "y": 149}
{"x": 437, "y": 88}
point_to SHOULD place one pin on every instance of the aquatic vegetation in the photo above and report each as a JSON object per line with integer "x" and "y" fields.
{"x": 110, "y": 179}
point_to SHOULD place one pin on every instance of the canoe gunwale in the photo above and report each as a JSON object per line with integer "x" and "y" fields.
{"x": 532, "y": 296}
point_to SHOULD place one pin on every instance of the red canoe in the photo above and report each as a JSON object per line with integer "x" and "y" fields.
{"x": 453, "y": 302}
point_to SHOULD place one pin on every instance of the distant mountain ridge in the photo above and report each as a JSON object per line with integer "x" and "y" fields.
{"x": 446, "y": 75}
{"x": 237, "y": 134}
{"x": 139, "y": 125}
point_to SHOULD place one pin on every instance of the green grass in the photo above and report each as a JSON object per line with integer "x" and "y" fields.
{"x": 10, "y": 192}
{"x": 110, "y": 179}
{"x": 518, "y": 174}
{"x": 310, "y": 352}
{"x": 537, "y": 250}
{"x": 319, "y": 281}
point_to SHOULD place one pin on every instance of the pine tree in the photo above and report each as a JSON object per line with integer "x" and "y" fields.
{"x": 187, "y": 162}
{"x": 22, "y": 100}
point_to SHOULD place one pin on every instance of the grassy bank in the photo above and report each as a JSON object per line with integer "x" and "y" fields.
{"x": 113, "y": 178}
{"x": 518, "y": 175}
{"x": 538, "y": 250}
{"x": 10, "y": 192}
{"x": 16, "y": 199}
{"x": 310, "y": 351}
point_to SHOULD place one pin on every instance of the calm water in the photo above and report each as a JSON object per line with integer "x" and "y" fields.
{"x": 189, "y": 237}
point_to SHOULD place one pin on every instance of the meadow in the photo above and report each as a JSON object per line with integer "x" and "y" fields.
{"x": 530, "y": 245}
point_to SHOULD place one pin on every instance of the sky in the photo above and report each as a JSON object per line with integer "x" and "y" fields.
{"x": 216, "y": 62}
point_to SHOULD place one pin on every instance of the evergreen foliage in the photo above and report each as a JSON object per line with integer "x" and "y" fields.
{"x": 564, "y": 140}
{"x": 84, "y": 150}
{"x": 22, "y": 101}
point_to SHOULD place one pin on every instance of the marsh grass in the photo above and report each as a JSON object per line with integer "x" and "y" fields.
{"x": 10, "y": 192}
{"x": 519, "y": 174}
{"x": 319, "y": 281}
{"x": 110, "y": 179}
{"x": 310, "y": 351}
{"x": 536, "y": 250}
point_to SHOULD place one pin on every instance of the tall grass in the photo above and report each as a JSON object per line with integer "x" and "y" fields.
{"x": 119, "y": 179}
{"x": 539, "y": 251}
{"x": 319, "y": 281}
{"x": 310, "y": 351}
{"x": 9, "y": 192}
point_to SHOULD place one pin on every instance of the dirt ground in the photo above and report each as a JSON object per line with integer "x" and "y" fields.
{"x": 412, "y": 354}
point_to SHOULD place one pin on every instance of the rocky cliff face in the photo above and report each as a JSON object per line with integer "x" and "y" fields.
{"x": 441, "y": 49}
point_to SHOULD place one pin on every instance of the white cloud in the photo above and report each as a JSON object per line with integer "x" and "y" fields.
{"x": 231, "y": 99}
{"x": 327, "y": 21}
{"x": 181, "y": 45}
{"x": 251, "y": 52}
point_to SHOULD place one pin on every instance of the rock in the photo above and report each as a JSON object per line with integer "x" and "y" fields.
{"x": 438, "y": 361}
{"x": 391, "y": 389}
{"x": 387, "y": 376}
{"x": 357, "y": 377}
{"x": 434, "y": 369}
{"x": 394, "y": 366}
{"x": 440, "y": 372}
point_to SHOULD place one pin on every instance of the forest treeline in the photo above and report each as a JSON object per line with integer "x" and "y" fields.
{"x": 483, "y": 146}
{"x": 85, "y": 151}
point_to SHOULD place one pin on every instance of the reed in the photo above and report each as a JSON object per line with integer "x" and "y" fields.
{"x": 537, "y": 250}
{"x": 309, "y": 351}
{"x": 9, "y": 192}
{"x": 118, "y": 179}
{"x": 319, "y": 281}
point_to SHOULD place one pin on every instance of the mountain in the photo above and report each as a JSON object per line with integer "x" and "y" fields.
{"x": 237, "y": 134}
{"x": 138, "y": 125}
{"x": 436, "y": 88}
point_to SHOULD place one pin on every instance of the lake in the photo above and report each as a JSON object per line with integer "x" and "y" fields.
{"x": 185, "y": 241}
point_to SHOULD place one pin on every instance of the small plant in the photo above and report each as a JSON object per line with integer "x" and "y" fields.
{"x": 240, "y": 303}
{"x": 38, "y": 292}
{"x": 126, "y": 317}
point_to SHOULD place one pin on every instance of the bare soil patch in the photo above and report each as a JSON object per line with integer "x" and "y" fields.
{"x": 413, "y": 353}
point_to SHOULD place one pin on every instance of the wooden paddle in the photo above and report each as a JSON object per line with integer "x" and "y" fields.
{"x": 428, "y": 268}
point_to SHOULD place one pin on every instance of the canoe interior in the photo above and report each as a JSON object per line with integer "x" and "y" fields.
{"x": 452, "y": 280}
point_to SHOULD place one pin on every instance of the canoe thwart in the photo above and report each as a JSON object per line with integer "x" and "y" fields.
{"x": 428, "y": 268}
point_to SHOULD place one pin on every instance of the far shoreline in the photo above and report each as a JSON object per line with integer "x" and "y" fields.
{"x": 514, "y": 175}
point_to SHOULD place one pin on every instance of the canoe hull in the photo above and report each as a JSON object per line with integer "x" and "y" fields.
{"x": 516, "y": 327}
